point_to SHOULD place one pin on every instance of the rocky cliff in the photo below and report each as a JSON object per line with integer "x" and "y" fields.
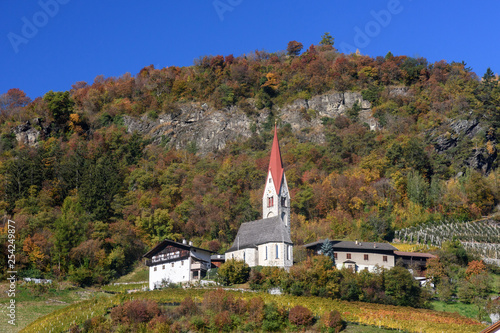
{"x": 210, "y": 130}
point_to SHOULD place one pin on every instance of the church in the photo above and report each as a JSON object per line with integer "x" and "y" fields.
{"x": 267, "y": 242}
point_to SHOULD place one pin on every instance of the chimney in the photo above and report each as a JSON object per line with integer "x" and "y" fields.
{"x": 356, "y": 242}
{"x": 374, "y": 245}
{"x": 184, "y": 241}
{"x": 190, "y": 243}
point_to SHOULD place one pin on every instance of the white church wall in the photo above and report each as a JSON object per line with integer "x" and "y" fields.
{"x": 249, "y": 255}
{"x": 268, "y": 257}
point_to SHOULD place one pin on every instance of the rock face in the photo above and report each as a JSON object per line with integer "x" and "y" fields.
{"x": 458, "y": 129}
{"x": 204, "y": 129}
{"x": 30, "y": 132}
{"x": 208, "y": 130}
{"x": 480, "y": 158}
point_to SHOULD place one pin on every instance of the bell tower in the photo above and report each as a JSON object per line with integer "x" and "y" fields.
{"x": 276, "y": 199}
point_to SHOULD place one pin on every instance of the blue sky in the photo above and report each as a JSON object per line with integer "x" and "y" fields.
{"x": 51, "y": 44}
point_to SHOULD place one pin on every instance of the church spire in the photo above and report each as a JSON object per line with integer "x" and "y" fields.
{"x": 275, "y": 163}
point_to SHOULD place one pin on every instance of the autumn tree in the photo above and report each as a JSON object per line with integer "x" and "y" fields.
{"x": 12, "y": 102}
{"x": 294, "y": 48}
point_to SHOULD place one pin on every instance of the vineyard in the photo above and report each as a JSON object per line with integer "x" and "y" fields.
{"x": 399, "y": 318}
{"x": 481, "y": 237}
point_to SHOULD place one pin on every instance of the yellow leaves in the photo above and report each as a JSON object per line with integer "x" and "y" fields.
{"x": 74, "y": 117}
{"x": 73, "y": 123}
{"x": 490, "y": 147}
{"x": 368, "y": 71}
{"x": 34, "y": 252}
{"x": 356, "y": 203}
{"x": 375, "y": 164}
{"x": 409, "y": 215}
{"x": 272, "y": 81}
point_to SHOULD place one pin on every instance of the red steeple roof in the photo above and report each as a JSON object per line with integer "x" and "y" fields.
{"x": 275, "y": 163}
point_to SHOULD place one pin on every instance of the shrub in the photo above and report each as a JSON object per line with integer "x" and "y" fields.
{"x": 300, "y": 316}
{"x": 188, "y": 307}
{"x": 333, "y": 321}
{"x": 233, "y": 272}
{"x": 159, "y": 324}
{"x": 274, "y": 318}
{"x": 222, "y": 321}
{"x": 217, "y": 301}
{"x": 256, "y": 280}
{"x": 256, "y": 310}
{"x": 138, "y": 311}
{"x": 199, "y": 323}
{"x": 297, "y": 289}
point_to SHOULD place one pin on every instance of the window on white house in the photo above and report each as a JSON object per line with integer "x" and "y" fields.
{"x": 266, "y": 252}
{"x": 163, "y": 267}
{"x": 154, "y": 269}
{"x": 244, "y": 255}
{"x": 288, "y": 252}
{"x": 172, "y": 264}
{"x": 270, "y": 201}
{"x": 277, "y": 251}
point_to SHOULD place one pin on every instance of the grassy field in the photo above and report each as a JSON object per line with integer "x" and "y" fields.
{"x": 35, "y": 301}
{"x": 466, "y": 310}
{"x": 374, "y": 315}
{"x": 139, "y": 274}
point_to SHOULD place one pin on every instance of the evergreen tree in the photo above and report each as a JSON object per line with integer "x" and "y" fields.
{"x": 327, "y": 39}
{"x": 328, "y": 250}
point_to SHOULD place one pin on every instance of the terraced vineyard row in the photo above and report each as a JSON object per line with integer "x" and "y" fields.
{"x": 481, "y": 237}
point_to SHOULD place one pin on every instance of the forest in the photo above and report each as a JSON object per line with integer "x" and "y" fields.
{"x": 89, "y": 198}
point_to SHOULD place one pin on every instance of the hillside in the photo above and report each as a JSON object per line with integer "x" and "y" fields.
{"x": 96, "y": 175}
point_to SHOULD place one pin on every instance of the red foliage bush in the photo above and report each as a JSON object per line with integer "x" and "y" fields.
{"x": 256, "y": 310}
{"x": 188, "y": 307}
{"x": 138, "y": 311}
{"x": 159, "y": 324}
{"x": 218, "y": 301}
{"x": 300, "y": 316}
{"x": 333, "y": 321}
{"x": 222, "y": 321}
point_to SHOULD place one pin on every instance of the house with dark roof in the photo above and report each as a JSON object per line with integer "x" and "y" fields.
{"x": 368, "y": 255}
{"x": 170, "y": 261}
{"x": 267, "y": 242}
{"x": 358, "y": 255}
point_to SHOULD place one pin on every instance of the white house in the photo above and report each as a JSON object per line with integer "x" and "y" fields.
{"x": 170, "y": 261}
{"x": 267, "y": 242}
